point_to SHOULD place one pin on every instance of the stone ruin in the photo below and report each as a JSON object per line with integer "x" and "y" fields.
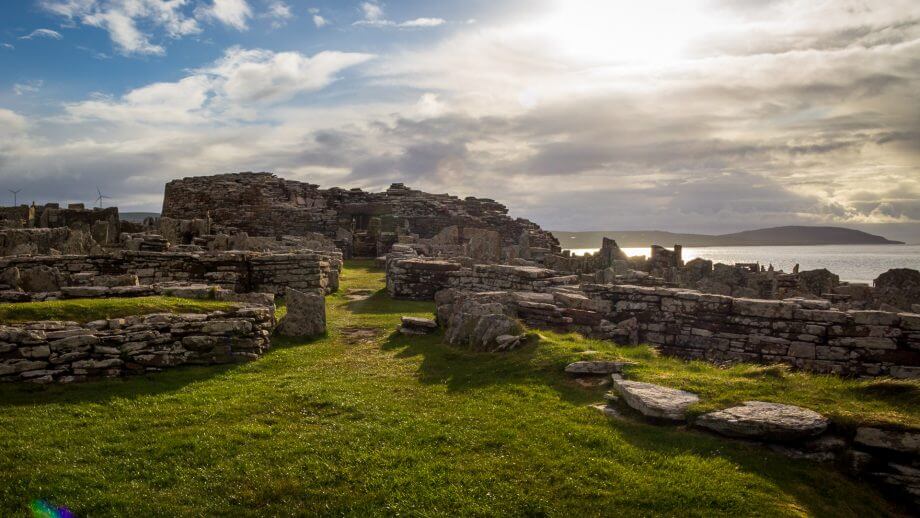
{"x": 361, "y": 224}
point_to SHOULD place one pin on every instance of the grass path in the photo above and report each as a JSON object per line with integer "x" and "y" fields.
{"x": 363, "y": 422}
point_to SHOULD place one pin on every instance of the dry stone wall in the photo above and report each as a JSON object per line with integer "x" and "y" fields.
{"x": 806, "y": 334}
{"x": 419, "y": 278}
{"x": 63, "y": 352}
{"x": 237, "y": 271}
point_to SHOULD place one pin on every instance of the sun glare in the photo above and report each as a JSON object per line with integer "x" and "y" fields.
{"x": 628, "y": 32}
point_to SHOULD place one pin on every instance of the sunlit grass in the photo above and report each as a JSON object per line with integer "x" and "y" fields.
{"x": 86, "y": 310}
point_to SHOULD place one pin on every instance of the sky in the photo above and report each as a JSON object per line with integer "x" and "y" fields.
{"x": 704, "y": 116}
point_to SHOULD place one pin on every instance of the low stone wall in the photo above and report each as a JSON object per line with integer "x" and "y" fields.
{"x": 63, "y": 352}
{"x": 805, "y": 334}
{"x": 420, "y": 278}
{"x": 238, "y": 271}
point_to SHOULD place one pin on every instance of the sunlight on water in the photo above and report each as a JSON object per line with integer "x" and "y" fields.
{"x": 853, "y": 263}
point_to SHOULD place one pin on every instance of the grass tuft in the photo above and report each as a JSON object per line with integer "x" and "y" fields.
{"x": 87, "y": 310}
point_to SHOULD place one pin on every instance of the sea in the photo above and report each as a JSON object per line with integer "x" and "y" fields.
{"x": 853, "y": 263}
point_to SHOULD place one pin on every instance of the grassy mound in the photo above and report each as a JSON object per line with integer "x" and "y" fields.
{"x": 87, "y": 310}
{"x": 366, "y": 422}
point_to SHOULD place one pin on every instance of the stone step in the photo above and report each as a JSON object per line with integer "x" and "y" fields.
{"x": 586, "y": 367}
{"x": 764, "y": 421}
{"x": 655, "y": 401}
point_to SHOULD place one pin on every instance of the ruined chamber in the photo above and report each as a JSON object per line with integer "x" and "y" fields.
{"x": 363, "y": 224}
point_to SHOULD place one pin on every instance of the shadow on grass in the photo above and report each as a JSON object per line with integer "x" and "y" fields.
{"x": 380, "y": 303}
{"x": 131, "y": 387}
{"x": 460, "y": 370}
{"x": 799, "y": 478}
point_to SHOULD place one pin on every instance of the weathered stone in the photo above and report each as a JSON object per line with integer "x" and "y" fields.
{"x": 306, "y": 314}
{"x": 40, "y": 278}
{"x": 596, "y": 367}
{"x": 417, "y": 326}
{"x": 654, "y": 400}
{"x": 764, "y": 421}
{"x": 900, "y": 441}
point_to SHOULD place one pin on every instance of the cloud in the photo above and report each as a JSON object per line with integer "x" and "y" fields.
{"x": 124, "y": 32}
{"x": 278, "y": 12}
{"x": 261, "y": 76}
{"x": 121, "y": 19}
{"x": 372, "y": 11}
{"x": 318, "y": 19}
{"x": 225, "y": 90}
{"x": 232, "y": 13}
{"x": 374, "y": 17}
{"x": 7, "y": 46}
{"x": 423, "y": 22}
{"x": 175, "y": 103}
{"x": 43, "y": 33}
{"x": 28, "y": 87}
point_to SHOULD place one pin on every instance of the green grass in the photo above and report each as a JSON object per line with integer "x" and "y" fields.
{"x": 87, "y": 310}
{"x": 849, "y": 402}
{"x": 396, "y": 425}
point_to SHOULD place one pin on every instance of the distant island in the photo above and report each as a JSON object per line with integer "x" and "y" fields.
{"x": 776, "y": 236}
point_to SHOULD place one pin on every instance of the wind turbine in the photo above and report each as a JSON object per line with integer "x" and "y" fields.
{"x": 17, "y": 191}
{"x": 101, "y": 197}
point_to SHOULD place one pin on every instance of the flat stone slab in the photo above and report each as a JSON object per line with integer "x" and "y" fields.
{"x": 417, "y": 326}
{"x": 422, "y": 323}
{"x": 654, "y": 400}
{"x": 596, "y": 367}
{"x": 906, "y": 442}
{"x": 765, "y": 421}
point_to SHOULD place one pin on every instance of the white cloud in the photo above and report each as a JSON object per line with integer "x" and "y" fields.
{"x": 121, "y": 18}
{"x": 232, "y": 13}
{"x": 28, "y": 87}
{"x": 318, "y": 20}
{"x": 374, "y": 17}
{"x": 7, "y": 46}
{"x": 181, "y": 102}
{"x": 258, "y": 76}
{"x": 11, "y": 122}
{"x": 124, "y": 32}
{"x": 42, "y": 33}
{"x": 278, "y": 12}
{"x": 372, "y": 11}
{"x": 423, "y": 22}
{"x": 224, "y": 91}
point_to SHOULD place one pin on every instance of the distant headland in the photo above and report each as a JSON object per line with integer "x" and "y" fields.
{"x": 776, "y": 236}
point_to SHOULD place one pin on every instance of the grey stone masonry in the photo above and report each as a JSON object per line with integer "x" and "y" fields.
{"x": 805, "y": 334}
{"x": 63, "y": 352}
{"x": 237, "y": 270}
{"x": 419, "y": 278}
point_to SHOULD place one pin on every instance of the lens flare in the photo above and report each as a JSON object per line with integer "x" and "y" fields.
{"x": 43, "y": 509}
